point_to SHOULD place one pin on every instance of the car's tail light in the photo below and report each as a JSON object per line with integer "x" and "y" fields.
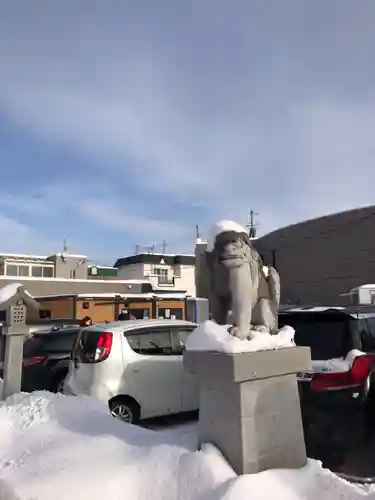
{"x": 35, "y": 360}
{"x": 354, "y": 378}
{"x": 103, "y": 347}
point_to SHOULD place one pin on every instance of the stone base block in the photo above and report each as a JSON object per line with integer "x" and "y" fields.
{"x": 250, "y": 408}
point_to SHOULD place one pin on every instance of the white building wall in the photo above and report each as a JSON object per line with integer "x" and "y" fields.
{"x": 184, "y": 276}
{"x": 187, "y": 280}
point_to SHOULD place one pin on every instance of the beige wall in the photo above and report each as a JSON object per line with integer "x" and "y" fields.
{"x": 132, "y": 271}
{"x": 55, "y": 287}
{"x": 59, "y": 308}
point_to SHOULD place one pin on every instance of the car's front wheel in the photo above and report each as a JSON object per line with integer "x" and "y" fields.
{"x": 125, "y": 409}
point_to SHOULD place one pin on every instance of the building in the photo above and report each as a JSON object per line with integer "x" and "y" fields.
{"x": 167, "y": 272}
{"x": 63, "y": 273}
{"x": 102, "y": 272}
{"x": 102, "y": 307}
{"x": 319, "y": 260}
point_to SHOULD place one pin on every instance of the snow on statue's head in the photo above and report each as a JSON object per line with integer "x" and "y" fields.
{"x": 230, "y": 245}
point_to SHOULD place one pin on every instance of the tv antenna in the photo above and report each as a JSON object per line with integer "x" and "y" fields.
{"x": 65, "y": 245}
{"x": 164, "y": 245}
{"x": 252, "y": 225}
{"x": 148, "y": 249}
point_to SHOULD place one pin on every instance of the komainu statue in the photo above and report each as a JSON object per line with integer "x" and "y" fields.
{"x": 239, "y": 283}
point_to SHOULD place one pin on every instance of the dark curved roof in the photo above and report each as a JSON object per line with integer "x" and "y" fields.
{"x": 155, "y": 258}
{"x": 325, "y": 224}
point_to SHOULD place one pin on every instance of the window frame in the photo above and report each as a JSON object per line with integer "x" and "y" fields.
{"x": 173, "y": 332}
{"x": 11, "y": 266}
{"x": 52, "y": 273}
{"x": 149, "y": 331}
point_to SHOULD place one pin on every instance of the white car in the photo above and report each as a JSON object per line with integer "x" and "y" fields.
{"x": 134, "y": 366}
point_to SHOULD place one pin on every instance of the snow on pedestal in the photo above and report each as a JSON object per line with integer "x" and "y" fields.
{"x": 209, "y": 336}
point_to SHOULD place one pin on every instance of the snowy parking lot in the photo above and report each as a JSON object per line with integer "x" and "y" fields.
{"x": 54, "y": 447}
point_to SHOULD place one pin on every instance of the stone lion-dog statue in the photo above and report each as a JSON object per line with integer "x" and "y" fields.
{"x": 240, "y": 284}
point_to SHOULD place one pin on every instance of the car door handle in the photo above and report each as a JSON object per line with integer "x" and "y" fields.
{"x": 135, "y": 370}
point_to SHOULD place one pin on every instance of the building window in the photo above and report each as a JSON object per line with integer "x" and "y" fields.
{"x": 72, "y": 274}
{"x": 48, "y": 272}
{"x": 37, "y": 271}
{"x": 161, "y": 273}
{"x": 23, "y": 270}
{"x": 11, "y": 270}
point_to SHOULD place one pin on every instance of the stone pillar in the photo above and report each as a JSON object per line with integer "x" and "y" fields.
{"x": 250, "y": 408}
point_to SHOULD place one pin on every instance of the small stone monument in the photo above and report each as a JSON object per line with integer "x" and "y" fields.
{"x": 249, "y": 401}
{"x": 14, "y": 304}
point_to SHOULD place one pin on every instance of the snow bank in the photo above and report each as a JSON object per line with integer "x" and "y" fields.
{"x": 54, "y": 447}
{"x": 209, "y": 336}
{"x": 222, "y": 227}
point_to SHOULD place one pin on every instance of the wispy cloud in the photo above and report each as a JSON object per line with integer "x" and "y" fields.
{"x": 216, "y": 107}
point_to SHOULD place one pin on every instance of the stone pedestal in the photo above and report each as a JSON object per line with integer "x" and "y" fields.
{"x": 250, "y": 408}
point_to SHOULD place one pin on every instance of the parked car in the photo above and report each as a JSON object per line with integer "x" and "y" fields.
{"x": 49, "y": 324}
{"x": 46, "y": 359}
{"x": 135, "y": 367}
{"x": 337, "y": 396}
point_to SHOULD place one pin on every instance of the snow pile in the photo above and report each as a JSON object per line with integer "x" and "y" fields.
{"x": 54, "y": 447}
{"x": 9, "y": 291}
{"x": 209, "y": 336}
{"x": 222, "y": 226}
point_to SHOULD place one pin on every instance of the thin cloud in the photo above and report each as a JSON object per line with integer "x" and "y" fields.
{"x": 224, "y": 108}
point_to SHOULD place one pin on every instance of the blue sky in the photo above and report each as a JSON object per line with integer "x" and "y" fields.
{"x": 125, "y": 123}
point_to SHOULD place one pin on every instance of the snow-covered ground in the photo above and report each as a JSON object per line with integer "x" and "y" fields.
{"x": 53, "y": 447}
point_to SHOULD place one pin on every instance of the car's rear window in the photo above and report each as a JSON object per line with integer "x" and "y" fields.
{"x": 86, "y": 345}
{"x": 49, "y": 343}
{"x": 327, "y": 335}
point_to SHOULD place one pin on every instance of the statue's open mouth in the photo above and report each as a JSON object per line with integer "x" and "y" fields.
{"x": 230, "y": 257}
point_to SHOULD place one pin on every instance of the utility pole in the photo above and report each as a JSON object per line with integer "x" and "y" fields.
{"x": 252, "y": 224}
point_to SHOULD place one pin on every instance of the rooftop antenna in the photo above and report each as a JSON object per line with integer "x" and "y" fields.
{"x": 137, "y": 249}
{"x": 197, "y": 232}
{"x": 164, "y": 245}
{"x": 252, "y": 224}
{"x": 65, "y": 246}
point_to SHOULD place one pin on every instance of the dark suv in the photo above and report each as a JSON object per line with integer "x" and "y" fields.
{"x": 337, "y": 396}
{"x": 46, "y": 359}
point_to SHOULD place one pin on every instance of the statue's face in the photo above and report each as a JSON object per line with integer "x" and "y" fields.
{"x": 232, "y": 249}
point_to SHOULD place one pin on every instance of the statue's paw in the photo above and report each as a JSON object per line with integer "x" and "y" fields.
{"x": 235, "y": 331}
{"x": 257, "y": 329}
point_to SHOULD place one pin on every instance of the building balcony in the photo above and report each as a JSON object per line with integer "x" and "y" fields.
{"x": 163, "y": 281}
